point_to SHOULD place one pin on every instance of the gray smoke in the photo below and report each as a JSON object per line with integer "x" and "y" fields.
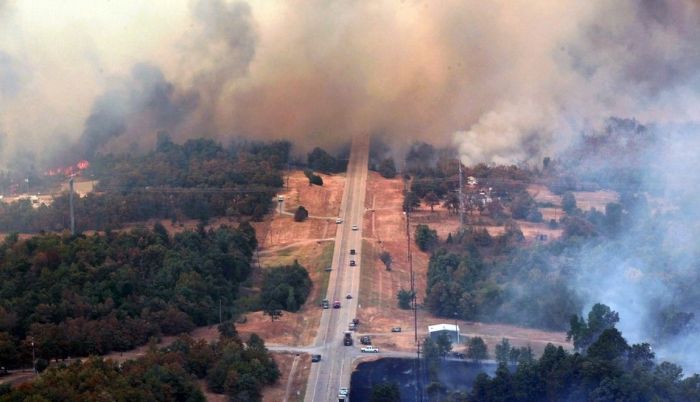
{"x": 650, "y": 271}
{"x": 627, "y": 58}
{"x": 10, "y": 76}
{"x": 137, "y": 107}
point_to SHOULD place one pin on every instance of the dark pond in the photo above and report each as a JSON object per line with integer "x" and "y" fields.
{"x": 454, "y": 374}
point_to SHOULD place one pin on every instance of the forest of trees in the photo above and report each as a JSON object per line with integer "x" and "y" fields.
{"x": 229, "y": 366}
{"x": 82, "y": 295}
{"x": 199, "y": 179}
{"x": 479, "y": 277}
{"x": 607, "y": 369}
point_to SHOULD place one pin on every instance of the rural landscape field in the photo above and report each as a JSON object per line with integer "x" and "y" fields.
{"x": 381, "y": 201}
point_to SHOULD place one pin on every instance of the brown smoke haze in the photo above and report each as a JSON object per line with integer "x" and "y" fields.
{"x": 504, "y": 81}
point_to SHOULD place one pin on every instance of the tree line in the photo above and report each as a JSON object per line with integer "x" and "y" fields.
{"x": 198, "y": 179}
{"x": 230, "y": 366}
{"x": 604, "y": 368}
{"x": 83, "y": 295}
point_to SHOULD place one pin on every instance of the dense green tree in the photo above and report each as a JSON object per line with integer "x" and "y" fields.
{"x": 432, "y": 199}
{"x": 502, "y": 351}
{"x": 584, "y": 333}
{"x": 322, "y": 161}
{"x": 301, "y": 214}
{"x": 283, "y": 284}
{"x": 385, "y": 257}
{"x": 410, "y": 201}
{"x": 444, "y": 345}
{"x": 405, "y": 298}
{"x": 426, "y": 238}
{"x": 568, "y": 202}
{"x": 387, "y": 168}
{"x": 385, "y": 392}
{"x": 477, "y": 349}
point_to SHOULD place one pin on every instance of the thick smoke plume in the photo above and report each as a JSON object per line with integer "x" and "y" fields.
{"x": 506, "y": 80}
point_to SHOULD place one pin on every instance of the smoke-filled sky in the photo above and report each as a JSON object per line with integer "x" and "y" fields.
{"x": 502, "y": 80}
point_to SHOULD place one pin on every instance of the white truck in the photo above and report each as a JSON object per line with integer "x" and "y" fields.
{"x": 343, "y": 395}
{"x": 369, "y": 349}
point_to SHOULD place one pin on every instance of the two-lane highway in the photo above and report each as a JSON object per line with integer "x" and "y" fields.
{"x": 334, "y": 370}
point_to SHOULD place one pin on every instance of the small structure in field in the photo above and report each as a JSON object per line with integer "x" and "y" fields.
{"x": 451, "y": 330}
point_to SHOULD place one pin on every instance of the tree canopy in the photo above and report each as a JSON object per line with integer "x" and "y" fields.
{"x": 81, "y": 295}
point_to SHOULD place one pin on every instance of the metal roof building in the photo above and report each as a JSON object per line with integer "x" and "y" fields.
{"x": 451, "y": 330}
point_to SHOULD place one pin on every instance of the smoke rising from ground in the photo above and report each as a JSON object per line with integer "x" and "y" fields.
{"x": 505, "y": 81}
{"x": 649, "y": 273}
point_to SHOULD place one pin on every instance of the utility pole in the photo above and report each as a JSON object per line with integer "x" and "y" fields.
{"x": 33, "y": 358}
{"x": 419, "y": 376}
{"x": 461, "y": 196}
{"x": 72, "y": 212}
{"x": 413, "y": 281}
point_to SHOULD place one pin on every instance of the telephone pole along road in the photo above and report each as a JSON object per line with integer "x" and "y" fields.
{"x": 335, "y": 367}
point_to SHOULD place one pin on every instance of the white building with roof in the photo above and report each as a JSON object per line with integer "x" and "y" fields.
{"x": 451, "y": 330}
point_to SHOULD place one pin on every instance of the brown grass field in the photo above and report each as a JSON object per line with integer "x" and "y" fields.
{"x": 378, "y": 308}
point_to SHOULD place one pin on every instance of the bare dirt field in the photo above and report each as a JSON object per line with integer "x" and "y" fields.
{"x": 318, "y": 200}
{"x": 585, "y": 200}
{"x": 541, "y": 193}
{"x": 311, "y": 243}
{"x": 294, "y": 329}
{"x": 378, "y": 310}
{"x": 287, "y": 389}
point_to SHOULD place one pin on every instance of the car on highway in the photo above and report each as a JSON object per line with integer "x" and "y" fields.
{"x": 352, "y": 251}
{"x": 315, "y": 358}
{"x": 325, "y": 304}
{"x": 354, "y": 227}
{"x": 336, "y": 303}
{"x": 343, "y": 394}
{"x": 396, "y": 329}
{"x": 352, "y": 327}
{"x": 369, "y": 349}
{"x": 338, "y": 221}
{"x": 352, "y": 263}
{"x": 349, "y": 296}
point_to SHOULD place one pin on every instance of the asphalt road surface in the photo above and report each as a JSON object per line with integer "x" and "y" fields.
{"x": 335, "y": 367}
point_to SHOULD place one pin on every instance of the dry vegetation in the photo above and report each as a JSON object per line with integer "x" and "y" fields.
{"x": 385, "y": 229}
{"x": 284, "y": 389}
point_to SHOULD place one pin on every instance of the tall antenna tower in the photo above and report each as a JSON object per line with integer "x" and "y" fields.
{"x": 72, "y": 212}
{"x": 461, "y": 196}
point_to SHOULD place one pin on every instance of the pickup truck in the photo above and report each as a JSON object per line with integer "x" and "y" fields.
{"x": 369, "y": 349}
{"x": 343, "y": 395}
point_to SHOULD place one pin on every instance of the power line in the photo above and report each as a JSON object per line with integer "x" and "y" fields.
{"x": 190, "y": 190}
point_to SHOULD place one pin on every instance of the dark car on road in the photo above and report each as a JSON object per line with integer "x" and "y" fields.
{"x": 396, "y": 329}
{"x": 315, "y": 358}
{"x": 366, "y": 340}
